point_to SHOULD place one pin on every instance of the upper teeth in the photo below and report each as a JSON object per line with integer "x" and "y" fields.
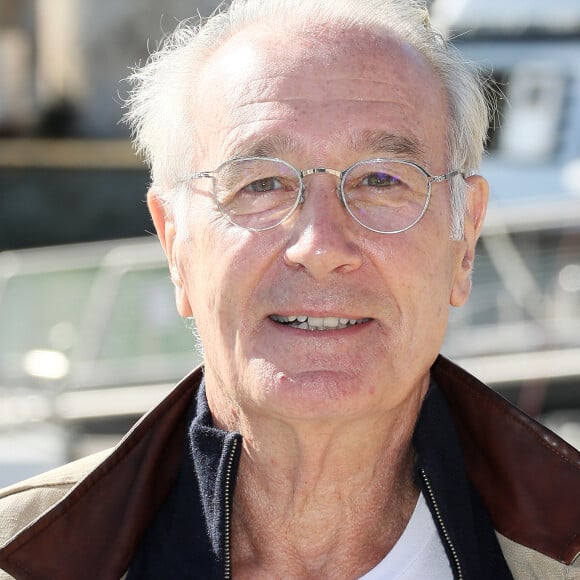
{"x": 316, "y": 323}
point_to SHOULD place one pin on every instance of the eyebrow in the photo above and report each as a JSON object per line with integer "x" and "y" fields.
{"x": 383, "y": 143}
{"x": 369, "y": 142}
{"x": 272, "y": 145}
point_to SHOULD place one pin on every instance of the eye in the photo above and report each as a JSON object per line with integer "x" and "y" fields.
{"x": 263, "y": 185}
{"x": 380, "y": 179}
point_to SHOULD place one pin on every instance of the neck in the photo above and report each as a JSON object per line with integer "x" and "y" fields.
{"x": 322, "y": 499}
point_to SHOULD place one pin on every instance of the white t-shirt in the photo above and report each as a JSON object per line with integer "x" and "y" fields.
{"x": 418, "y": 554}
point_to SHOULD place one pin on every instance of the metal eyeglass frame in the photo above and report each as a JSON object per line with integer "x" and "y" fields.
{"x": 300, "y": 199}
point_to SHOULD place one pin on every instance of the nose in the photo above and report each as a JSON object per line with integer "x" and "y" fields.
{"x": 323, "y": 238}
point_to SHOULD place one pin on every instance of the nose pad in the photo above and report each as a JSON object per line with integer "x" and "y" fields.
{"x": 340, "y": 197}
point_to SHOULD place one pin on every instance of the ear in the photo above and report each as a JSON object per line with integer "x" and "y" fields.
{"x": 165, "y": 227}
{"x": 477, "y": 196}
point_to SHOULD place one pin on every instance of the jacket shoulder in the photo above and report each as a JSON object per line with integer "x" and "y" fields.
{"x": 23, "y": 502}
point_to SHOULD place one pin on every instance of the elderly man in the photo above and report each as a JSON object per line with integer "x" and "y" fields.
{"x": 314, "y": 189}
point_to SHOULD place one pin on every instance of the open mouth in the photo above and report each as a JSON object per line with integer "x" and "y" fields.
{"x": 314, "y": 323}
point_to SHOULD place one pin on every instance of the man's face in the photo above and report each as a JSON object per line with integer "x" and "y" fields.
{"x": 321, "y": 100}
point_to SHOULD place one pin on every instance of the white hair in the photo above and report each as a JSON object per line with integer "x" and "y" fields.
{"x": 160, "y": 106}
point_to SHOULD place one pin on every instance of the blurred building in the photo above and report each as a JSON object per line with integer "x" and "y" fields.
{"x": 521, "y": 328}
{"x": 61, "y": 61}
{"x": 67, "y": 171}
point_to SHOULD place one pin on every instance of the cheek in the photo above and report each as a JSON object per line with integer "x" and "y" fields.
{"x": 419, "y": 271}
{"x": 425, "y": 303}
{"x": 223, "y": 266}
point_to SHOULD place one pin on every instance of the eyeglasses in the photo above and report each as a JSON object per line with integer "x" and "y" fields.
{"x": 383, "y": 195}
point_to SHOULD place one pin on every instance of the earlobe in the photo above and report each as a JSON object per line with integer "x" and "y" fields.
{"x": 477, "y": 197}
{"x": 165, "y": 227}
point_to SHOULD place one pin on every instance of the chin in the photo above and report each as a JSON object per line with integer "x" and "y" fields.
{"x": 317, "y": 395}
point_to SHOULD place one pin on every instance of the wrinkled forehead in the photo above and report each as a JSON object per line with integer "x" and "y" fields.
{"x": 316, "y": 53}
{"x": 264, "y": 75}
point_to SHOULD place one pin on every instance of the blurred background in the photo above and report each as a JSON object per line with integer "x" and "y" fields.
{"x": 89, "y": 335}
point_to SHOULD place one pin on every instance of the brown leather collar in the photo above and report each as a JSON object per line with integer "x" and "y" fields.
{"x": 528, "y": 477}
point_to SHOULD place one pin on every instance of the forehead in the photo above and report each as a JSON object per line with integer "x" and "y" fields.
{"x": 316, "y": 91}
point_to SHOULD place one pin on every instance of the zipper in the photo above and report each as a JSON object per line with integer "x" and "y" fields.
{"x": 442, "y": 527}
{"x": 228, "y": 513}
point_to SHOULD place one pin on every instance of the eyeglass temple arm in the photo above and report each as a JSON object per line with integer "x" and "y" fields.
{"x": 444, "y": 177}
